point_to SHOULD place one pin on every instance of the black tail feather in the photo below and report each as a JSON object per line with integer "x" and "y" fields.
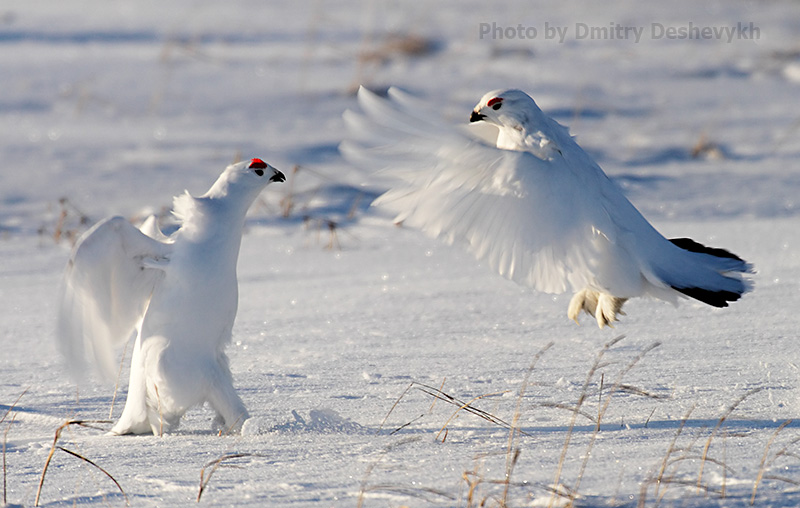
{"x": 713, "y": 298}
{"x": 692, "y": 246}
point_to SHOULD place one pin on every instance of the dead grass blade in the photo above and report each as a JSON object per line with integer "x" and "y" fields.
{"x": 127, "y": 501}
{"x": 581, "y": 399}
{"x": 374, "y": 464}
{"x": 82, "y": 423}
{"x": 5, "y": 440}
{"x": 11, "y": 408}
{"x": 396, "y": 402}
{"x": 438, "y": 394}
{"x": 719, "y": 424}
{"x": 660, "y": 478}
{"x": 763, "y": 465}
{"x": 571, "y": 409}
{"x": 466, "y": 406}
{"x": 790, "y": 481}
{"x": 216, "y": 464}
{"x": 512, "y": 450}
{"x": 614, "y": 388}
{"x": 638, "y": 391}
{"x": 418, "y": 492}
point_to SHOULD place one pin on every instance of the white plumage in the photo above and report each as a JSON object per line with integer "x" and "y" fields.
{"x": 536, "y": 207}
{"x": 179, "y": 293}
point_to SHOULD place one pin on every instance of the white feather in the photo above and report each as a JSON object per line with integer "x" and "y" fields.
{"x": 107, "y": 286}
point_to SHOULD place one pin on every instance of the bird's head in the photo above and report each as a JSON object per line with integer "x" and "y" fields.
{"x": 246, "y": 178}
{"x": 257, "y": 170}
{"x": 516, "y": 115}
{"x": 504, "y": 108}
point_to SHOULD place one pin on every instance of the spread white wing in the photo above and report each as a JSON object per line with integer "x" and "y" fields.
{"x": 548, "y": 218}
{"x": 537, "y": 221}
{"x": 107, "y": 285}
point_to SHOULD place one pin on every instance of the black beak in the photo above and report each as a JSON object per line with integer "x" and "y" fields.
{"x": 476, "y": 117}
{"x": 277, "y": 177}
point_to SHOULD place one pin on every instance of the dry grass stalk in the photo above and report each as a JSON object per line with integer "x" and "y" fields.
{"x": 762, "y": 467}
{"x": 719, "y": 424}
{"x": 433, "y": 402}
{"x": 601, "y": 413}
{"x": 364, "y": 488}
{"x": 61, "y": 229}
{"x": 513, "y": 434}
{"x": 581, "y": 399}
{"x": 704, "y": 148}
{"x": 396, "y": 402}
{"x": 91, "y": 463}
{"x": 5, "y": 466}
{"x": 11, "y": 408}
{"x": 784, "y": 452}
{"x": 660, "y": 478}
{"x": 216, "y": 464}
{"x": 418, "y": 492}
{"x": 5, "y": 440}
{"x": 398, "y": 45}
{"x": 567, "y": 407}
{"x": 81, "y": 423}
{"x": 473, "y": 479}
{"x": 462, "y": 406}
{"x": 466, "y": 406}
{"x": 685, "y": 455}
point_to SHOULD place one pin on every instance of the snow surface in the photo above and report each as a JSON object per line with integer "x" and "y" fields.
{"x": 116, "y": 106}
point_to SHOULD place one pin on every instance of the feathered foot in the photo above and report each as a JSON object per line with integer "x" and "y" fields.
{"x": 604, "y": 307}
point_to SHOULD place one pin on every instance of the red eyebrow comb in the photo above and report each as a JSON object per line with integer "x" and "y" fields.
{"x": 494, "y": 101}
{"x": 257, "y": 164}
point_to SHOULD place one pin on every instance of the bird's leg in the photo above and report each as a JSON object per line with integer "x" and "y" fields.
{"x": 134, "y": 419}
{"x": 226, "y": 402}
{"x": 602, "y": 306}
{"x": 583, "y": 300}
{"x": 608, "y": 306}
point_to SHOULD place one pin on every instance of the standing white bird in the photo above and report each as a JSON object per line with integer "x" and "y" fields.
{"x": 536, "y": 207}
{"x": 179, "y": 293}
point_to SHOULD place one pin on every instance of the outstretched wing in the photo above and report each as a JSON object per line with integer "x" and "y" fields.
{"x": 107, "y": 285}
{"x": 536, "y": 221}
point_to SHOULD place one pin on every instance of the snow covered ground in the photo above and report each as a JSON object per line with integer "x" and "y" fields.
{"x": 114, "y": 107}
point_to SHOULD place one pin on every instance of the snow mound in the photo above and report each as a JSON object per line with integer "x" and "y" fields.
{"x": 323, "y": 421}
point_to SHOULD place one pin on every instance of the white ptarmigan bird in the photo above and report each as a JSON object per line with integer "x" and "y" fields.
{"x": 179, "y": 293}
{"x": 536, "y": 207}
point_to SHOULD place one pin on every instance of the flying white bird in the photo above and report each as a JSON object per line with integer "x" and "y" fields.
{"x": 536, "y": 207}
{"x": 180, "y": 295}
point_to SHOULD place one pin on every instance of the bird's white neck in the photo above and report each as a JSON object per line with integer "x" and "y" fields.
{"x": 521, "y": 137}
{"x": 212, "y": 220}
{"x": 511, "y": 138}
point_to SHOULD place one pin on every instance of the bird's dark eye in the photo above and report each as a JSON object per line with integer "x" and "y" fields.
{"x": 495, "y": 103}
{"x": 258, "y": 166}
